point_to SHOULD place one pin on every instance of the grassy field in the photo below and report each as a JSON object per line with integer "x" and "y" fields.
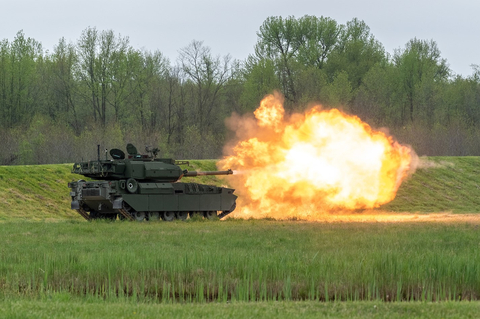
{"x": 53, "y": 260}
{"x": 216, "y": 269}
{"x": 61, "y": 307}
{"x": 441, "y": 184}
{"x": 253, "y": 260}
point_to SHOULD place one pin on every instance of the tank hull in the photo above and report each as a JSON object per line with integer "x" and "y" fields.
{"x": 130, "y": 199}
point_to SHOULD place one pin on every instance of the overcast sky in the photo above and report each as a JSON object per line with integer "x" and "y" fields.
{"x": 229, "y": 27}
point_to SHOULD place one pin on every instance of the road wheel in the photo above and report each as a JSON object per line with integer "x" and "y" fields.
{"x": 181, "y": 215}
{"x": 168, "y": 216}
{"x": 153, "y": 216}
{"x": 139, "y": 216}
{"x": 211, "y": 215}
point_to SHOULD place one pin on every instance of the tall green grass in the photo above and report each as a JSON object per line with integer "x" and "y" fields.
{"x": 184, "y": 262}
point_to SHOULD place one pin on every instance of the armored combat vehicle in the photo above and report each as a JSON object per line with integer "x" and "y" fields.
{"x": 142, "y": 187}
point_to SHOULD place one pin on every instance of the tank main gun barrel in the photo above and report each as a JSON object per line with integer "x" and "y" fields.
{"x": 194, "y": 173}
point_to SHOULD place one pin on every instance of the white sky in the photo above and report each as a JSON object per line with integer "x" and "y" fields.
{"x": 229, "y": 27}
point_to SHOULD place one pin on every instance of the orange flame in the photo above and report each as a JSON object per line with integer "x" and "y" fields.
{"x": 306, "y": 164}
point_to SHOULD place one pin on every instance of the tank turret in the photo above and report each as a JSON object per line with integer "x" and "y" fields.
{"x": 138, "y": 186}
{"x": 137, "y": 166}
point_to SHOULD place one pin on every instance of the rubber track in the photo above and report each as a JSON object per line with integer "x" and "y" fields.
{"x": 83, "y": 213}
{"x": 125, "y": 214}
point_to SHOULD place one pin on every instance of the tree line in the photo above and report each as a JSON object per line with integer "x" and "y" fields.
{"x": 57, "y": 106}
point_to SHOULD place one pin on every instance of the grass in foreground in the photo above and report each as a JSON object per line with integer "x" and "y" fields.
{"x": 235, "y": 260}
{"x": 57, "y": 306}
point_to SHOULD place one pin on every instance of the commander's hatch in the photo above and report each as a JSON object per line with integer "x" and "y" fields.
{"x": 117, "y": 154}
{"x": 132, "y": 150}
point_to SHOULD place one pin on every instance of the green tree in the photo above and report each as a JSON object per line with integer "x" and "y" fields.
{"x": 259, "y": 80}
{"x": 18, "y": 79}
{"x": 208, "y": 75}
{"x": 147, "y": 71}
{"x": 461, "y": 102}
{"x": 5, "y": 84}
{"x": 65, "y": 86}
{"x": 420, "y": 65}
{"x": 156, "y": 76}
{"x": 295, "y": 46}
{"x": 356, "y": 53}
{"x": 99, "y": 56}
{"x": 377, "y": 98}
{"x": 312, "y": 87}
{"x": 318, "y": 37}
{"x": 174, "y": 112}
{"x": 338, "y": 93}
{"x": 279, "y": 41}
{"x": 234, "y": 89}
{"x": 121, "y": 71}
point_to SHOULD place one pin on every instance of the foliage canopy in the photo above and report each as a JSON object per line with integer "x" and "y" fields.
{"x": 101, "y": 90}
